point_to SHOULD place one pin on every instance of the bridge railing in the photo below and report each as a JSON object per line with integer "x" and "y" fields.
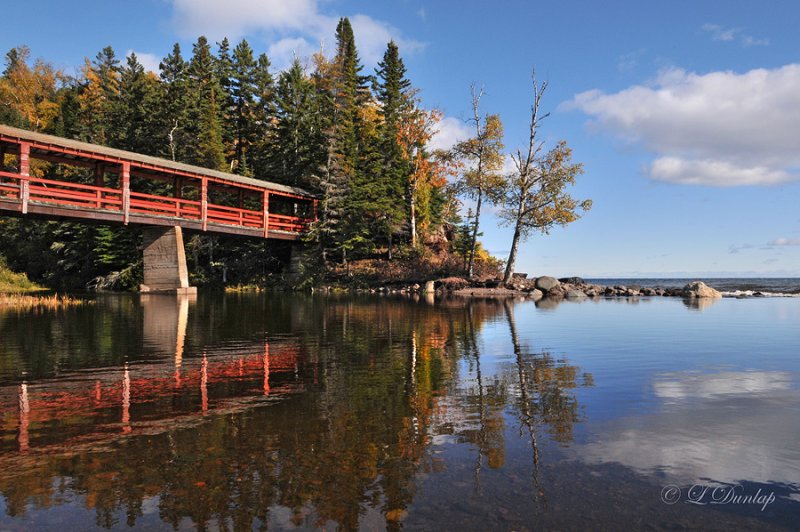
{"x": 165, "y": 206}
{"x": 9, "y": 187}
{"x": 64, "y": 193}
{"x": 235, "y": 216}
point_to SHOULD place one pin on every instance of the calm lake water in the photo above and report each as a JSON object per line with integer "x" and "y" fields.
{"x": 306, "y": 412}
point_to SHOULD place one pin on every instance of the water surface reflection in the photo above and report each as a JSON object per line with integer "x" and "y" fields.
{"x": 298, "y": 411}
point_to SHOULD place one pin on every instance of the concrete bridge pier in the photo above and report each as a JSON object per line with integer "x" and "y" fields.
{"x": 165, "y": 269}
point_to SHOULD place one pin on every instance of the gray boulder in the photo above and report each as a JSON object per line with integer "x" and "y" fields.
{"x": 700, "y": 289}
{"x": 546, "y": 283}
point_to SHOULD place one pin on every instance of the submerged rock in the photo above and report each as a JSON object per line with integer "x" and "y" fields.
{"x": 546, "y": 283}
{"x": 700, "y": 289}
{"x": 575, "y": 294}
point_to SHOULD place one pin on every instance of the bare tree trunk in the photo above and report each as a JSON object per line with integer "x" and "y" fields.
{"x": 525, "y": 398}
{"x": 413, "y": 221}
{"x": 512, "y": 255}
{"x": 172, "y": 139}
{"x": 470, "y": 269}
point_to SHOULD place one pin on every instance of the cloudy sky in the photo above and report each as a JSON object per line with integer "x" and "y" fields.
{"x": 686, "y": 114}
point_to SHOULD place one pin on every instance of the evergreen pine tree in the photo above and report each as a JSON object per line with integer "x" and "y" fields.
{"x": 171, "y": 123}
{"x": 225, "y": 74}
{"x": 392, "y": 91}
{"x": 297, "y": 141}
{"x": 98, "y": 96}
{"x": 205, "y": 89}
{"x": 137, "y": 91}
{"x": 261, "y": 156}
{"x": 244, "y": 93}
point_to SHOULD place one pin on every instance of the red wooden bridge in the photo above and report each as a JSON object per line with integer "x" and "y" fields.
{"x": 59, "y": 178}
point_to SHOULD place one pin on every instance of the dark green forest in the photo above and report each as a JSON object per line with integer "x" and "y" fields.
{"x": 355, "y": 139}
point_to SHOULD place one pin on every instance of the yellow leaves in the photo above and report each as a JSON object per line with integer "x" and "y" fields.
{"x": 370, "y": 119}
{"x": 482, "y": 156}
{"x": 31, "y": 92}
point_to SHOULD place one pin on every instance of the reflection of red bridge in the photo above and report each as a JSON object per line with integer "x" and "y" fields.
{"x": 116, "y": 400}
{"x": 102, "y": 186}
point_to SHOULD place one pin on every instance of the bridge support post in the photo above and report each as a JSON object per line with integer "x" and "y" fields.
{"x": 24, "y": 175}
{"x": 165, "y": 269}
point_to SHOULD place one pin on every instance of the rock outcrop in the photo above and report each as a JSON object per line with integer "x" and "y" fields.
{"x": 546, "y": 283}
{"x": 700, "y": 289}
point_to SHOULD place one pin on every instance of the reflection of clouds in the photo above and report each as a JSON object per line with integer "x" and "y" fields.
{"x": 708, "y": 386}
{"x": 727, "y": 427}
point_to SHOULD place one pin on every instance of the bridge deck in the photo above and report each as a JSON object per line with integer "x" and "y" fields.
{"x": 92, "y": 182}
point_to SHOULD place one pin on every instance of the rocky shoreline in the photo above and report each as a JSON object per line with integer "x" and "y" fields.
{"x": 539, "y": 288}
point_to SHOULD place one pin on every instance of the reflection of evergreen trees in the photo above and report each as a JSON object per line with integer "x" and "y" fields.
{"x": 381, "y": 377}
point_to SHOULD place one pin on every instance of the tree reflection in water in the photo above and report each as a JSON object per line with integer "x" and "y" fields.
{"x": 333, "y": 422}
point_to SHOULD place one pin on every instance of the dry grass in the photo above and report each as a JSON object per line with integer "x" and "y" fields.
{"x": 15, "y": 282}
{"x": 242, "y": 288}
{"x": 55, "y": 301}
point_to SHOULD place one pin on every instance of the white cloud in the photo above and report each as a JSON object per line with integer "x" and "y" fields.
{"x": 714, "y": 173}
{"x": 283, "y": 52}
{"x": 298, "y": 24}
{"x": 450, "y": 131}
{"x": 373, "y": 35}
{"x": 734, "y": 248}
{"x": 234, "y": 18}
{"x": 784, "y": 242}
{"x": 150, "y": 62}
{"x": 715, "y": 129}
{"x": 748, "y": 41}
{"x": 721, "y": 33}
{"x": 629, "y": 61}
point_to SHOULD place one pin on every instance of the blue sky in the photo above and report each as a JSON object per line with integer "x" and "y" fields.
{"x": 685, "y": 113}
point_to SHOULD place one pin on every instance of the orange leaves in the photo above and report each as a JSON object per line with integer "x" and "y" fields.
{"x": 414, "y": 133}
{"x": 31, "y": 92}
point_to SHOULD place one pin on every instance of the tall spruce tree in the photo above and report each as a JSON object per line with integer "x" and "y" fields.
{"x": 393, "y": 92}
{"x": 135, "y": 102}
{"x": 206, "y": 122}
{"x": 245, "y": 102}
{"x": 225, "y": 74}
{"x": 172, "y": 123}
{"x": 97, "y": 98}
{"x": 339, "y": 88}
{"x": 260, "y": 158}
{"x": 296, "y": 138}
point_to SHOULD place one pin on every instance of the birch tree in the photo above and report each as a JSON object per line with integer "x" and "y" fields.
{"x": 535, "y": 197}
{"x": 483, "y": 161}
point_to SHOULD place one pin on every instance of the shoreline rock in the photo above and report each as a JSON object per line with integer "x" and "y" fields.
{"x": 700, "y": 289}
{"x": 542, "y": 288}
